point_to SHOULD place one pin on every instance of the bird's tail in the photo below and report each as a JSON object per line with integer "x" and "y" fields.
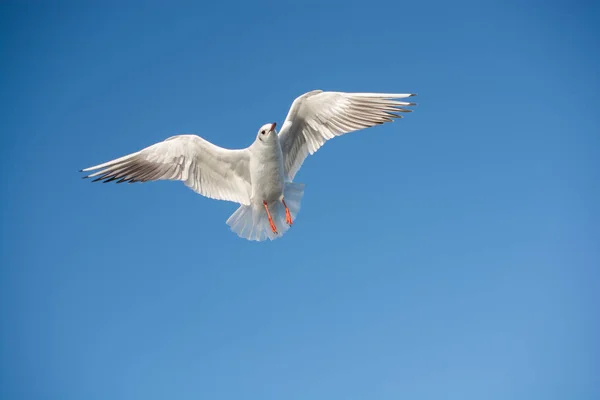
{"x": 252, "y": 223}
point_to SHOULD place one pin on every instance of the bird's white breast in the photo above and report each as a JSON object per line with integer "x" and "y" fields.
{"x": 266, "y": 171}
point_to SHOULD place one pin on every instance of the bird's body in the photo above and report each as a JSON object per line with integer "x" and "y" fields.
{"x": 259, "y": 177}
{"x": 266, "y": 170}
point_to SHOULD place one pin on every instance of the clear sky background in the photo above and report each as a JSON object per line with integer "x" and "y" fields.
{"x": 450, "y": 255}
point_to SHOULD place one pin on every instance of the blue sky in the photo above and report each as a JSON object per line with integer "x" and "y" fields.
{"x": 450, "y": 255}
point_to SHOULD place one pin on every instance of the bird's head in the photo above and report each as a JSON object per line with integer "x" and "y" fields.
{"x": 266, "y": 132}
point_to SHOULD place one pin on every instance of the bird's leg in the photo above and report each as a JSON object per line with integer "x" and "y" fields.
{"x": 288, "y": 216}
{"x": 273, "y": 227}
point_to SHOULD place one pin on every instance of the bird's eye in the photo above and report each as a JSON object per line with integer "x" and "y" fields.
{"x": 262, "y": 132}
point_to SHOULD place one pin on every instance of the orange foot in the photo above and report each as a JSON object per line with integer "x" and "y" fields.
{"x": 273, "y": 227}
{"x": 288, "y": 216}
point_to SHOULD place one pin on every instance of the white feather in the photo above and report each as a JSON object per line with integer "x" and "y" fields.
{"x": 209, "y": 170}
{"x": 318, "y": 116}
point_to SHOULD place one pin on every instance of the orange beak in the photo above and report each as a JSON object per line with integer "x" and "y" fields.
{"x": 273, "y": 126}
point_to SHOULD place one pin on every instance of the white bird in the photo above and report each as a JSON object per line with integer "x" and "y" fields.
{"x": 259, "y": 177}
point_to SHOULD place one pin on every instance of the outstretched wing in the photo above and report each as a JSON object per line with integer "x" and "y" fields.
{"x": 209, "y": 170}
{"x": 318, "y": 116}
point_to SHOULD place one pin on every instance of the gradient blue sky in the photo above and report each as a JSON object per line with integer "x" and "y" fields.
{"x": 451, "y": 255}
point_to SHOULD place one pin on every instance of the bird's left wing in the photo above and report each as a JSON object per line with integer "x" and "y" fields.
{"x": 318, "y": 116}
{"x": 209, "y": 170}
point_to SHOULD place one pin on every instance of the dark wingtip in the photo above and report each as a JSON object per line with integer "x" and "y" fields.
{"x": 412, "y": 95}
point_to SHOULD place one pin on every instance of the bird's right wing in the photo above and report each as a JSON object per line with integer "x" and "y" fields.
{"x": 318, "y": 116}
{"x": 209, "y": 170}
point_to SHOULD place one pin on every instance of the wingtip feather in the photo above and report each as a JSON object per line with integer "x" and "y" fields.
{"x": 112, "y": 162}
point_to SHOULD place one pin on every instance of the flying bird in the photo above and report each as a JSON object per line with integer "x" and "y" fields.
{"x": 259, "y": 177}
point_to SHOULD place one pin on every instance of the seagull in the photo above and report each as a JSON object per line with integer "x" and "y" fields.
{"x": 259, "y": 177}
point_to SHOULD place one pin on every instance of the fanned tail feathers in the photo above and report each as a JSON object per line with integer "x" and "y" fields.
{"x": 251, "y": 222}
